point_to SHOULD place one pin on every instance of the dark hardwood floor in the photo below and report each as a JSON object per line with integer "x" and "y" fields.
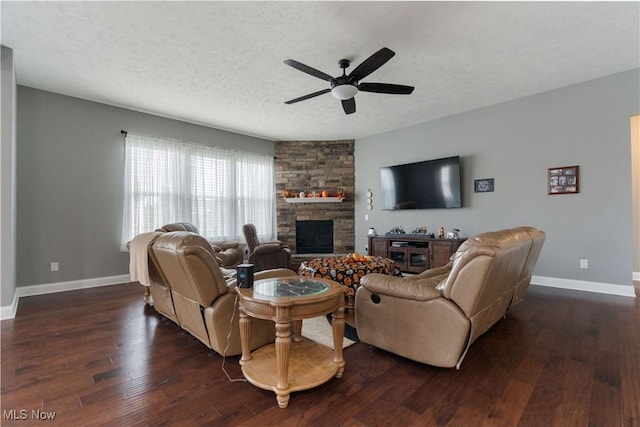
{"x": 100, "y": 357}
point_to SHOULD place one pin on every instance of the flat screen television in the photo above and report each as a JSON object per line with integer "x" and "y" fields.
{"x": 430, "y": 184}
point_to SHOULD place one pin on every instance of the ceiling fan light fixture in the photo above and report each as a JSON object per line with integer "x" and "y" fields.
{"x": 344, "y": 91}
{"x": 346, "y": 86}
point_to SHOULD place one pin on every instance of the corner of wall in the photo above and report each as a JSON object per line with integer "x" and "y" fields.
{"x": 9, "y": 311}
{"x": 8, "y": 107}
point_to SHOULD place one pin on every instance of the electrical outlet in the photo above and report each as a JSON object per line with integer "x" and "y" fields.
{"x": 366, "y": 217}
{"x": 584, "y": 263}
{"x": 54, "y": 266}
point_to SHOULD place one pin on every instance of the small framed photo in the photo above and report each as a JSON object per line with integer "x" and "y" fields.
{"x": 484, "y": 185}
{"x": 564, "y": 180}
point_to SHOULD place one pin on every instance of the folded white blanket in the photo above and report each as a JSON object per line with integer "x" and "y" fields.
{"x": 139, "y": 257}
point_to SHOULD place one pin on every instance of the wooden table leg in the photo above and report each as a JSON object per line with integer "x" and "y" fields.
{"x": 245, "y": 335}
{"x": 297, "y": 330}
{"x": 337, "y": 327}
{"x": 283, "y": 351}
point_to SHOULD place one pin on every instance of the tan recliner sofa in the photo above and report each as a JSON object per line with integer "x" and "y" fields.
{"x": 435, "y": 316}
{"x": 204, "y": 303}
{"x": 228, "y": 253}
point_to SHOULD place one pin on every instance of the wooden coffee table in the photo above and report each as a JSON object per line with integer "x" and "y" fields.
{"x": 285, "y": 367}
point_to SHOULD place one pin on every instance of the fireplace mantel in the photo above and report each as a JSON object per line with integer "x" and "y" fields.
{"x": 314, "y": 199}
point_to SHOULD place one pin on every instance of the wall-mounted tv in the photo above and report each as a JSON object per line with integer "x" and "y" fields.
{"x": 431, "y": 184}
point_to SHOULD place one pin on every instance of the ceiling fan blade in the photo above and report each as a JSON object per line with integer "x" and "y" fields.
{"x": 372, "y": 63}
{"x": 311, "y": 95}
{"x": 349, "y": 105}
{"x": 306, "y": 69}
{"x": 385, "y": 88}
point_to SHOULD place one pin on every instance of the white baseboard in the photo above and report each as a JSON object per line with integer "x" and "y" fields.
{"x": 636, "y": 276}
{"x": 581, "y": 285}
{"x": 9, "y": 312}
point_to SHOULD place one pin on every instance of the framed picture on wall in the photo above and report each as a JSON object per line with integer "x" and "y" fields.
{"x": 484, "y": 185}
{"x": 564, "y": 180}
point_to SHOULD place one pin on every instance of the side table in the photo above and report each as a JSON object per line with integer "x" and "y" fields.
{"x": 284, "y": 367}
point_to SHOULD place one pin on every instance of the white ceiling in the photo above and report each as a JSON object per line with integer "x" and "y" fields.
{"x": 220, "y": 63}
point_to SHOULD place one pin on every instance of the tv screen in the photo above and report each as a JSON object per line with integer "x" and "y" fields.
{"x": 431, "y": 184}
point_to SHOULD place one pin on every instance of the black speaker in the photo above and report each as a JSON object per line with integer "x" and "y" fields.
{"x": 245, "y": 275}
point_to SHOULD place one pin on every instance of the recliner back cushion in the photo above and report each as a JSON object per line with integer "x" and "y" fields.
{"x": 484, "y": 268}
{"x": 251, "y": 236}
{"x": 180, "y": 226}
{"x": 483, "y": 278}
{"x": 203, "y": 270}
{"x": 537, "y": 241}
{"x": 189, "y": 265}
{"x": 537, "y": 237}
{"x": 160, "y": 289}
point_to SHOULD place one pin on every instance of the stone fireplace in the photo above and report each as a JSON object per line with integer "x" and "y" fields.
{"x": 315, "y": 166}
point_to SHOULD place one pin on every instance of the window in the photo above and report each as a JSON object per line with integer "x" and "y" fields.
{"x": 217, "y": 190}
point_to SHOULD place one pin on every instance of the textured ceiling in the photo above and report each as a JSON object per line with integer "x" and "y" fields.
{"x": 220, "y": 63}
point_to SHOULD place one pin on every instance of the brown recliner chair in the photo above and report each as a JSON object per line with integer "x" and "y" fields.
{"x": 265, "y": 255}
{"x": 228, "y": 253}
{"x": 435, "y": 316}
{"x": 205, "y": 305}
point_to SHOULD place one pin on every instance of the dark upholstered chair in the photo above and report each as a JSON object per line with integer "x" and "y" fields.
{"x": 267, "y": 255}
{"x": 228, "y": 253}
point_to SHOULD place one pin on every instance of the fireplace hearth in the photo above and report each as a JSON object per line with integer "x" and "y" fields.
{"x": 314, "y": 237}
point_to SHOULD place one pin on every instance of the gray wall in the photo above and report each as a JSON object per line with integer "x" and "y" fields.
{"x": 7, "y": 179}
{"x": 70, "y": 160}
{"x": 635, "y": 188}
{"x": 515, "y": 142}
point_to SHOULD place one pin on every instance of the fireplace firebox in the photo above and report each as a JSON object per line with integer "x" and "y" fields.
{"x": 314, "y": 236}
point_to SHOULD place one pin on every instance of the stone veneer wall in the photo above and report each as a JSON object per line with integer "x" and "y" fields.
{"x": 316, "y": 165}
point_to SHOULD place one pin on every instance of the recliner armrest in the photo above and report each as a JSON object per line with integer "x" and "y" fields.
{"x": 399, "y": 287}
{"x": 268, "y": 248}
{"x": 433, "y": 272}
{"x": 282, "y": 245}
{"x": 225, "y": 244}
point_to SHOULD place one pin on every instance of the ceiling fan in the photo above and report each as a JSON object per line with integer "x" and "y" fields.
{"x": 345, "y": 87}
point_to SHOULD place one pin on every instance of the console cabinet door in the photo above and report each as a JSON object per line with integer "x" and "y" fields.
{"x": 378, "y": 246}
{"x": 440, "y": 253}
{"x": 399, "y": 256}
{"x": 417, "y": 259}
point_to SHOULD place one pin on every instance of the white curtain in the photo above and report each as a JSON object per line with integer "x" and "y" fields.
{"x": 217, "y": 190}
